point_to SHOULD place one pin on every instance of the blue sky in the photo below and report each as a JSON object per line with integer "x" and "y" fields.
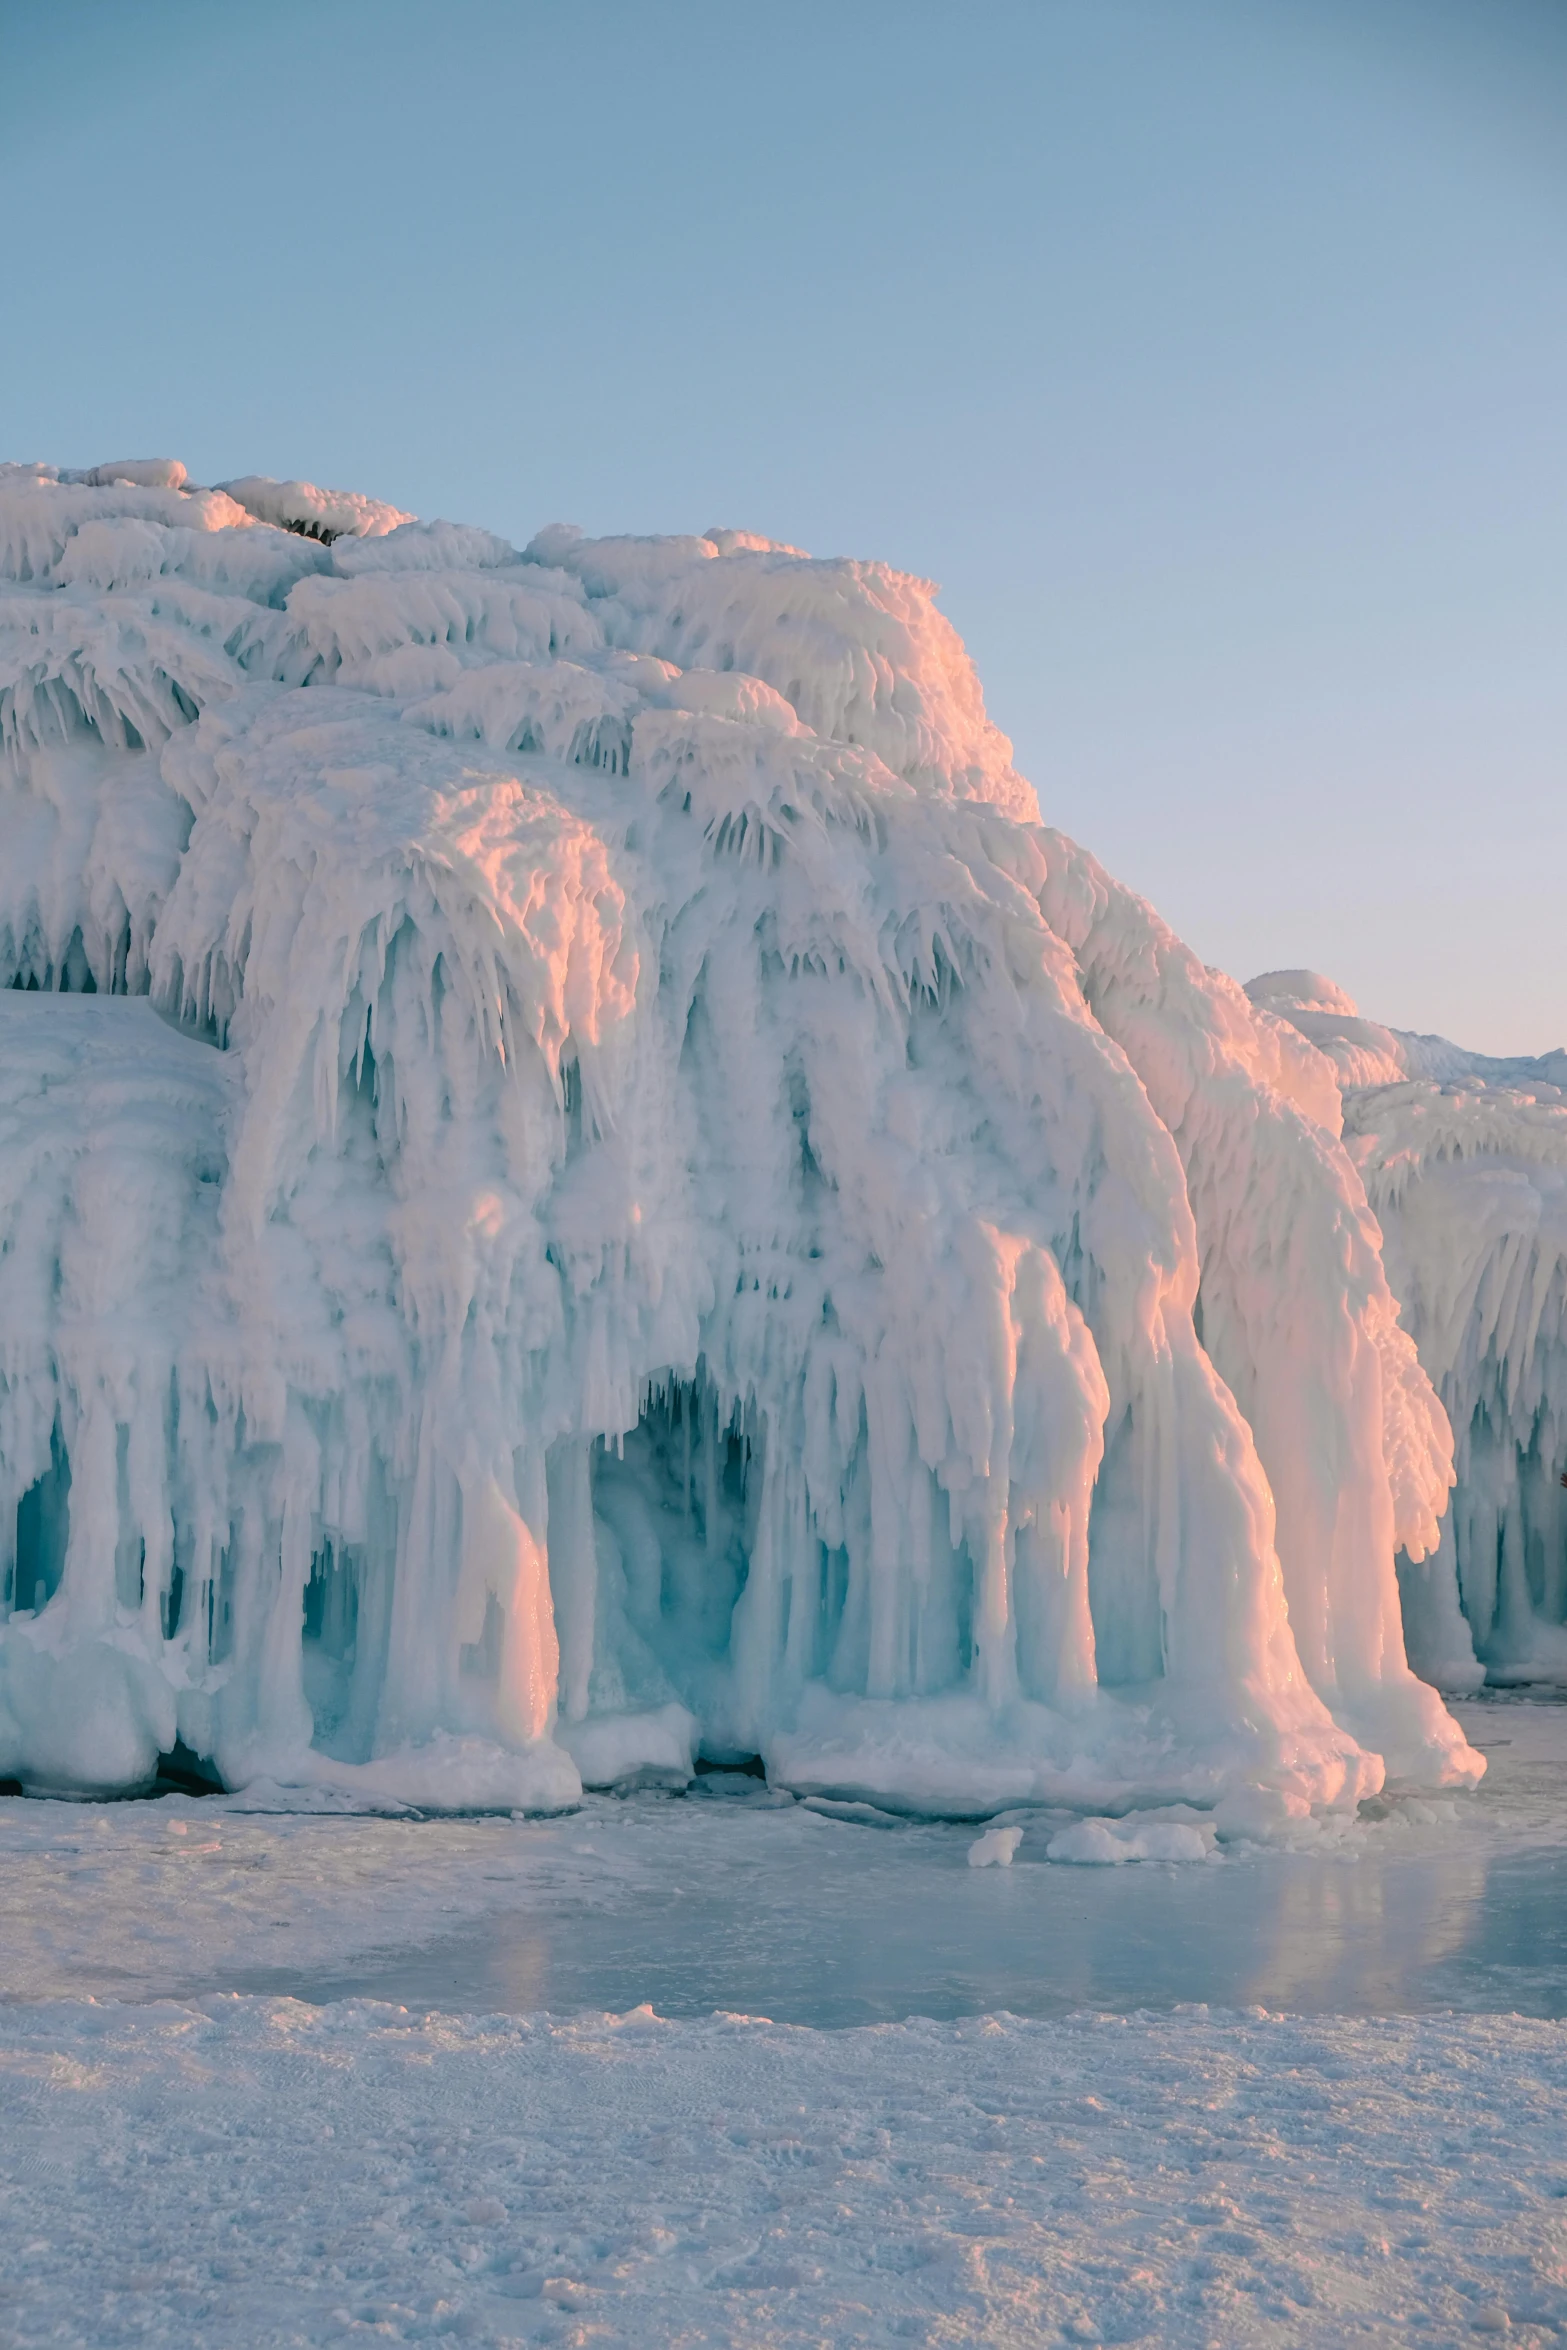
{"x": 1211, "y": 353}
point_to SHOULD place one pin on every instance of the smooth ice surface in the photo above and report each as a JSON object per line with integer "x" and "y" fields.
{"x": 734, "y": 1899}
{"x": 816, "y": 1920}
{"x": 1464, "y": 1159}
{"x": 681, "y": 1215}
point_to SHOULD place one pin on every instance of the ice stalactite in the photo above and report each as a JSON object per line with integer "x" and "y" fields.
{"x": 1464, "y": 1159}
{"x": 580, "y": 1179}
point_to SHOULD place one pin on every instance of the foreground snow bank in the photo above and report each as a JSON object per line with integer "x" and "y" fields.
{"x": 1464, "y": 1158}
{"x": 680, "y": 1213}
{"x": 257, "y": 2171}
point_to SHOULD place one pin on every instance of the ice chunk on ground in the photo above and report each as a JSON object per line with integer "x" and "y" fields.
{"x": 996, "y": 1849}
{"x": 619, "y": 1750}
{"x": 1107, "y": 1843}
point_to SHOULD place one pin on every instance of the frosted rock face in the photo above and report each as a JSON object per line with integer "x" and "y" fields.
{"x": 1464, "y": 1157}
{"x": 580, "y": 1177}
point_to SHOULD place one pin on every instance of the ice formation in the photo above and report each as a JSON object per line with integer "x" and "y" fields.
{"x": 581, "y": 1180}
{"x": 1464, "y": 1158}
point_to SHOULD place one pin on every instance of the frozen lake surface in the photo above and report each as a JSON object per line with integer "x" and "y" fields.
{"x": 735, "y": 1900}
{"x": 720, "y": 1903}
{"x": 856, "y": 1938}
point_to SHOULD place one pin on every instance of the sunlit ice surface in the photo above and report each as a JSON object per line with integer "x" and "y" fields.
{"x": 585, "y": 1184}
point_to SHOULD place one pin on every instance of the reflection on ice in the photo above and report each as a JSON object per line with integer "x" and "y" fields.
{"x": 735, "y": 1904}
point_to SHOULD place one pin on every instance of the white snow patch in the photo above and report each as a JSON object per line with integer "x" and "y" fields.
{"x": 315, "y": 513}
{"x": 249, "y": 2170}
{"x": 1106, "y": 1843}
{"x": 617, "y": 1750}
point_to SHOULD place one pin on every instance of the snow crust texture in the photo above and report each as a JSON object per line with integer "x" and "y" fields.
{"x": 1464, "y": 1159}
{"x": 257, "y": 2172}
{"x": 580, "y": 1177}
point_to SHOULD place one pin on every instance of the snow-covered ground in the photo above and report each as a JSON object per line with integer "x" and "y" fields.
{"x": 262, "y": 2172}
{"x": 194, "y": 2156}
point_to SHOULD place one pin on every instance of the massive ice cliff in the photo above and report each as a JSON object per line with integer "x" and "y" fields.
{"x": 1464, "y": 1158}
{"x": 581, "y": 1180}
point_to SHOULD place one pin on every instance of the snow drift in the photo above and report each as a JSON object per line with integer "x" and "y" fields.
{"x": 581, "y": 1179}
{"x": 1464, "y": 1157}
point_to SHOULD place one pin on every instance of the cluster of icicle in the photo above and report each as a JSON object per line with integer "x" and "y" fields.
{"x": 1464, "y": 1157}
{"x": 582, "y": 1181}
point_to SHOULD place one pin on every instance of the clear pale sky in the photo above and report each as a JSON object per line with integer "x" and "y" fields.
{"x": 1211, "y": 353}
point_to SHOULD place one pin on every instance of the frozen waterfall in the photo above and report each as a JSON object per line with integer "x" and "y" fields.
{"x": 582, "y": 1182}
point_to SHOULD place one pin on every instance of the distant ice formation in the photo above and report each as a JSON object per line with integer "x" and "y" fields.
{"x": 1464, "y": 1157}
{"x": 582, "y": 1181}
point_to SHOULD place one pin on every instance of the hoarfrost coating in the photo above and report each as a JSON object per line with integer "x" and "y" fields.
{"x": 1464, "y": 1157}
{"x": 581, "y": 1177}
